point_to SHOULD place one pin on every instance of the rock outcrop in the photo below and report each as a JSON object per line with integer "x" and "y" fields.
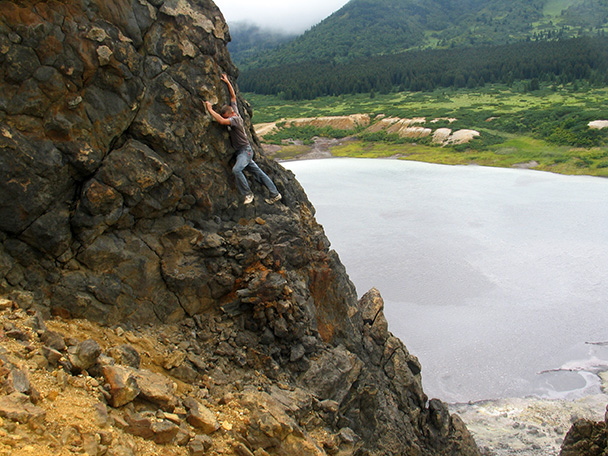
{"x": 119, "y": 206}
{"x": 350, "y": 122}
{"x": 598, "y": 124}
{"x": 404, "y": 128}
{"x": 445, "y": 136}
{"x": 586, "y": 438}
{"x": 412, "y": 128}
{"x": 338, "y": 122}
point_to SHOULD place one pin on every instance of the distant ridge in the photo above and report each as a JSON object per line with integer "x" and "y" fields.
{"x": 364, "y": 28}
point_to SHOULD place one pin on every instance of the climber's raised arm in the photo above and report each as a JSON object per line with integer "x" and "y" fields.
{"x": 230, "y": 88}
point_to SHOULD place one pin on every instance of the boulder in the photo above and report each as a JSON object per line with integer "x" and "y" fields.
{"x": 200, "y": 416}
{"x": 271, "y": 427}
{"x": 463, "y": 136}
{"x": 122, "y": 386}
{"x": 332, "y": 374}
{"x": 17, "y": 407}
{"x": 598, "y": 124}
{"x": 53, "y": 340}
{"x": 53, "y": 356}
{"x": 161, "y": 431}
{"x": 85, "y": 355}
{"x": 157, "y": 389}
{"x": 126, "y": 355}
{"x": 372, "y": 312}
{"x": 18, "y": 381}
{"x": 442, "y": 135}
{"x": 199, "y": 445}
{"x": 6, "y": 304}
{"x": 445, "y": 136}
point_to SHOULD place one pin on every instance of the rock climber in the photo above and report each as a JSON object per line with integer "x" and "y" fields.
{"x": 230, "y": 117}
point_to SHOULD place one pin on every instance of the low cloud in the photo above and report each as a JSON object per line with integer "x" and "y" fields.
{"x": 279, "y": 15}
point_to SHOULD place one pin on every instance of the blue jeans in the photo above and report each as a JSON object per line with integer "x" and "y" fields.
{"x": 244, "y": 160}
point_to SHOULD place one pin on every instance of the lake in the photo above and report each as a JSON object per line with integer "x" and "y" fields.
{"x": 496, "y": 279}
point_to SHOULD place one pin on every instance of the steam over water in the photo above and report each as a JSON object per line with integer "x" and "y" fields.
{"x": 497, "y": 279}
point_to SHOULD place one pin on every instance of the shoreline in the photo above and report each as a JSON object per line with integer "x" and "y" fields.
{"x": 531, "y": 425}
{"x": 321, "y": 149}
{"x": 527, "y": 426}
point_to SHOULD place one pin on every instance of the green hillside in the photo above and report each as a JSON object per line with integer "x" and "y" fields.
{"x": 364, "y": 28}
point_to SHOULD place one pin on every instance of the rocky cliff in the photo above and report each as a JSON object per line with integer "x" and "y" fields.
{"x": 119, "y": 208}
{"x": 587, "y": 438}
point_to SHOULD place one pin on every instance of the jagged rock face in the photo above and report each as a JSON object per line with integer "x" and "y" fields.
{"x": 586, "y": 438}
{"x": 118, "y": 197}
{"x": 119, "y": 206}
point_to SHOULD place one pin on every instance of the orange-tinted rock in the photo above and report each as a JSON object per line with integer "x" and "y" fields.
{"x": 122, "y": 386}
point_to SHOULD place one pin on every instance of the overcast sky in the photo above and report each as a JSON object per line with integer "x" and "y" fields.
{"x": 286, "y": 15}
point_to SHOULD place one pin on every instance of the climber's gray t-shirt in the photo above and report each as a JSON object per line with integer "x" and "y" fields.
{"x": 238, "y": 137}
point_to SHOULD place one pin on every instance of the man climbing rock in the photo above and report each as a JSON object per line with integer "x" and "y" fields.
{"x": 230, "y": 117}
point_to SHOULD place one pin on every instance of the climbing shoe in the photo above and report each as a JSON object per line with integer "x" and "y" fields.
{"x": 274, "y": 199}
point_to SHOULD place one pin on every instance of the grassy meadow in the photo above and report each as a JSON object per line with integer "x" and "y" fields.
{"x": 546, "y": 129}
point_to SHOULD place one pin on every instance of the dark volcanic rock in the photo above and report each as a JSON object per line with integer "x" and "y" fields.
{"x": 332, "y": 375}
{"x": 126, "y": 355}
{"x": 586, "y": 438}
{"x": 53, "y": 340}
{"x": 85, "y": 355}
{"x": 119, "y": 206}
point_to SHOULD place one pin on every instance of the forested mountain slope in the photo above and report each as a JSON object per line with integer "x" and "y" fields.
{"x": 557, "y": 62}
{"x": 364, "y": 28}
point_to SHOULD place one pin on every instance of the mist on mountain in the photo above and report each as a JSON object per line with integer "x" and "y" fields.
{"x": 249, "y": 39}
{"x": 364, "y": 28}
